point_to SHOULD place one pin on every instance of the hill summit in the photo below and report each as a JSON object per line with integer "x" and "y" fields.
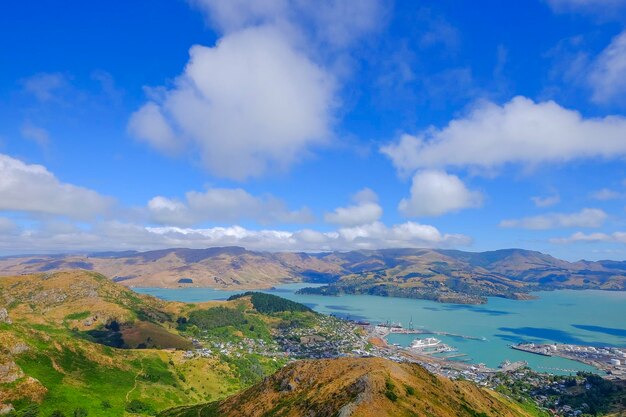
{"x": 364, "y": 387}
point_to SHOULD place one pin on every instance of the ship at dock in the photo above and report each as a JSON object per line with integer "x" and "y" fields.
{"x": 429, "y": 342}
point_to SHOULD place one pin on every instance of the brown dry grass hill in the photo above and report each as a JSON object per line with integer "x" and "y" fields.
{"x": 357, "y": 387}
{"x": 443, "y": 275}
{"x": 228, "y": 267}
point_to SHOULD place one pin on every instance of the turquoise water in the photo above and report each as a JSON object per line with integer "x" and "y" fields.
{"x": 578, "y": 317}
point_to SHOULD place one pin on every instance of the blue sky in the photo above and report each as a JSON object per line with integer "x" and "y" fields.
{"x": 297, "y": 125}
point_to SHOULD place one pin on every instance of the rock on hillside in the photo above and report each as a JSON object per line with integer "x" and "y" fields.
{"x": 364, "y": 387}
{"x": 4, "y": 316}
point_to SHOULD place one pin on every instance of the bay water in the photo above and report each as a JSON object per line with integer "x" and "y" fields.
{"x": 587, "y": 317}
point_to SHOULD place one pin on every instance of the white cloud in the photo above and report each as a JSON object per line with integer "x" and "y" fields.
{"x": 520, "y": 131}
{"x": 35, "y": 133}
{"x": 223, "y": 205}
{"x": 606, "y": 194}
{"x": 588, "y": 217}
{"x": 434, "y": 193}
{"x": 32, "y": 188}
{"x": 115, "y": 235}
{"x": 546, "y": 201}
{"x": 44, "y": 86}
{"x": 608, "y": 72}
{"x": 149, "y": 124}
{"x": 250, "y": 102}
{"x": 615, "y": 237}
{"x": 337, "y": 23}
{"x": 366, "y": 210}
{"x": 232, "y": 15}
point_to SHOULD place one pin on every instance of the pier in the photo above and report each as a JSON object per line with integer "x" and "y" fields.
{"x": 402, "y": 330}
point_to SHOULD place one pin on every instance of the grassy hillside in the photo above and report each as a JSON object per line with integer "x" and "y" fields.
{"x": 75, "y": 341}
{"x": 357, "y": 387}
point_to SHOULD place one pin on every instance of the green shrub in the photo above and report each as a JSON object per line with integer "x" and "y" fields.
{"x": 268, "y": 303}
{"x": 216, "y": 317}
{"x": 391, "y": 395}
{"x": 139, "y": 407}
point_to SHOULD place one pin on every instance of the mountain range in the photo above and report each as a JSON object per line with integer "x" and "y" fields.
{"x": 442, "y": 275}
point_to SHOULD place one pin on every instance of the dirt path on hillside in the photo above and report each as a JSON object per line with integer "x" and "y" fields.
{"x": 135, "y": 385}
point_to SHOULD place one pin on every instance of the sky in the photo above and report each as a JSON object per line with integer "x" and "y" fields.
{"x": 313, "y": 125}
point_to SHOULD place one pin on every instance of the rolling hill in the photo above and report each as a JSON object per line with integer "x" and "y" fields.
{"x": 442, "y": 275}
{"x": 364, "y": 387}
{"x": 75, "y": 340}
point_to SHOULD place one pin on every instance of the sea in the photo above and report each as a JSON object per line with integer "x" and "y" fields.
{"x": 587, "y": 317}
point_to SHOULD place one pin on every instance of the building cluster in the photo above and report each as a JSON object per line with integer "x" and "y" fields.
{"x": 611, "y": 360}
{"x": 330, "y": 337}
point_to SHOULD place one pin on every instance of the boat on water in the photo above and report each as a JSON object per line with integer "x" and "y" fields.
{"x": 428, "y": 342}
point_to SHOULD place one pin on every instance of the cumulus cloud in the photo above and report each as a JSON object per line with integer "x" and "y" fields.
{"x": 251, "y": 102}
{"x": 587, "y": 217}
{"x": 365, "y": 210}
{"x": 608, "y": 72}
{"x": 32, "y": 188}
{"x": 434, "y": 193}
{"x": 336, "y": 22}
{"x": 223, "y": 205}
{"x": 114, "y": 235}
{"x": 520, "y": 131}
{"x": 148, "y": 124}
{"x": 371, "y": 236}
{"x": 546, "y": 201}
{"x": 615, "y": 237}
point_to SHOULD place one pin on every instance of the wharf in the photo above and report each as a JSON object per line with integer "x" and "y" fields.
{"x": 402, "y": 330}
{"x": 528, "y": 350}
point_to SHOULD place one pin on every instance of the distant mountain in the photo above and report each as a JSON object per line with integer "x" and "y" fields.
{"x": 223, "y": 267}
{"x": 356, "y": 387}
{"x": 469, "y": 277}
{"x": 443, "y": 275}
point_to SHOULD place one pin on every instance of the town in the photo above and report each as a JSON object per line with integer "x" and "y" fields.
{"x": 611, "y": 360}
{"x": 331, "y": 337}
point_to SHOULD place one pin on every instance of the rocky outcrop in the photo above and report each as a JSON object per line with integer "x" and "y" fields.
{"x": 6, "y": 409}
{"x": 9, "y": 371}
{"x": 4, "y": 316}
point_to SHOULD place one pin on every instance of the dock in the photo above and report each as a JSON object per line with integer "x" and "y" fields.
{"x": 402, "y": 330}
{"x": 527, "y": 350}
